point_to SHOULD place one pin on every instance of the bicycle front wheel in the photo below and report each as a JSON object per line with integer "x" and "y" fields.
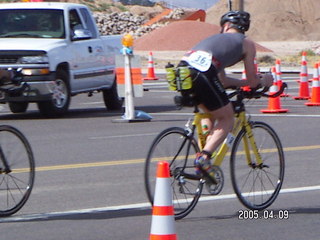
{"x": 174, "y": 146}
{"x": 257, "y": 186}
{"x": 17, "y": 170}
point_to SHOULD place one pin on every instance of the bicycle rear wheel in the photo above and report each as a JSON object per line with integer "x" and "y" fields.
{"x": 174, "y": 146}
{"x": 17, "y": 170}
{"x": 257, "y": 186}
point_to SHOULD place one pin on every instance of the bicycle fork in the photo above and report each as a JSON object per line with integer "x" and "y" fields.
{"x": 250, "y": 146}
{"x": 6, "y": 168}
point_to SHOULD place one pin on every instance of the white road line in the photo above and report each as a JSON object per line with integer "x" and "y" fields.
{"x": 283, "y": 191}
{"x": 254, "y": 115}
{"x": 43, "y": 216}
{"x": 92, "y": 103}
{"x": 286, "y": 115}
{"x": 121, "y": 136}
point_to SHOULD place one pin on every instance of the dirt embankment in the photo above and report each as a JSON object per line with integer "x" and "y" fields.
{"x": 274, "y": 20}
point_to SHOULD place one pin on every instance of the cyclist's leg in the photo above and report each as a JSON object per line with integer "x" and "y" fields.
{"x": 222, "y": 122}
{"x": 212, "y": 98}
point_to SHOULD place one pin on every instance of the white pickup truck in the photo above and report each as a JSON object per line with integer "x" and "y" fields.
{"x": 53, "y": 51}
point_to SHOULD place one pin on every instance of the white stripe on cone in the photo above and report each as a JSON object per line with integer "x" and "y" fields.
{"x": 163, "y": 193}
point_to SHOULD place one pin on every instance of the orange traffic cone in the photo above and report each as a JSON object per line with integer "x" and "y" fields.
{"x": 279, "y": 77}
{"x": 256, "y": 65}
{"x": 304, "y": 85}
{"x": 151, "y": 74}
{"x": 274, "y": 105}
{"x": 304, "y": 56}
{"x": 315, "y": 92}
{"x": 163, "y": 224}
{"x": 244, "y": 77}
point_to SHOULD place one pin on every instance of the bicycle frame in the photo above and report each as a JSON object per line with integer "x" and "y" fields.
{"x": 241, "y": 122}
{"x": 256, "y": 172}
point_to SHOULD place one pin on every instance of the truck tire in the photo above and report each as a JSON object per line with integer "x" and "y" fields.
{"x": 59, "y": 104}
{"x": 18, "y": 107}
{"x": 111, "y": 98}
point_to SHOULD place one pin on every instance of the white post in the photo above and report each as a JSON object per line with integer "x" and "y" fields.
{"x": 129, "y": 105}
{"x": 130, "y": 114}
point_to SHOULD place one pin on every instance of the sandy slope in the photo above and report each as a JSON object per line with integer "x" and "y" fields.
{"x": 277, "y": 20}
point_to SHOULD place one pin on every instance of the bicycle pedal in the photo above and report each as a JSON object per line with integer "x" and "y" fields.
{"x": 215, "y": 189}
{"x": 207, "y": 176}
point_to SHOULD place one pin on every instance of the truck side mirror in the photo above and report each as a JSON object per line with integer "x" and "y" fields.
{"x": 81, "y": 34}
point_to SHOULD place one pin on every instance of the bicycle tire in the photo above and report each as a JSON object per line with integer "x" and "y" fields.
{"x": 258, "y": 187}
{"x": 166, "y": 145}
{"x": 15, "y": 184}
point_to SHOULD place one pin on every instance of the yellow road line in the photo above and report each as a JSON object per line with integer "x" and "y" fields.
{"x": 87, "y": 165}
{"x": 141, "y": 160}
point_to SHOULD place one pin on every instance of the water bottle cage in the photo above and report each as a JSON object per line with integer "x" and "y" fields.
{"x": 181, "y": 86}
{"x": 179, "y": 79}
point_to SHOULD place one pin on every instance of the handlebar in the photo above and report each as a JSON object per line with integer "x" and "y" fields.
{"x": 257, "y": 92}
{"x": 187, "y": 100}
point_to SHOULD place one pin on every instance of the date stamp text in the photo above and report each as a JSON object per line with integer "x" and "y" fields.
{"x": 265, "y": 214}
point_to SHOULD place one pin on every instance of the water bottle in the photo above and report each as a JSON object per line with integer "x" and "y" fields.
{"x": 184, "y": 76}
{"x": 171, "y": 76}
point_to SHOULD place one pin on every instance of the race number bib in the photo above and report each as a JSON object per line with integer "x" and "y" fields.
{"x": 200, "y": 60}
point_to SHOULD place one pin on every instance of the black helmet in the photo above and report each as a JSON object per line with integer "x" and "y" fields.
{"x": 239, "y": 20}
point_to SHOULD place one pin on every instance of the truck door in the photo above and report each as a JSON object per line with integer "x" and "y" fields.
{"x": 88, "y": 68}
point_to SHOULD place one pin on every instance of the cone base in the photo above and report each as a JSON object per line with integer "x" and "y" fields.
{"x": 301, "y": 98}
{"x": 310, "y": 80}
{"x": 163, "y": 237}
{"x": 312, "y": 104}
{"x": 150, "y": 78}
{"x": 274, "y": 110}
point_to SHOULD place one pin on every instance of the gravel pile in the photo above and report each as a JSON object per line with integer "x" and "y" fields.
{"x": 177, "y": 36}
{"x": 126, "y": 22}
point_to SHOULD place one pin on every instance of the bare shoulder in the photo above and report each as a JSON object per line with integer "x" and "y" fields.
{"x": 249, "y": 47}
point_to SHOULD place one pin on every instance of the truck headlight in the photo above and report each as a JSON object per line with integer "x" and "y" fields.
{"x": 34, "y": 59}
{"x": 35, "y": 71}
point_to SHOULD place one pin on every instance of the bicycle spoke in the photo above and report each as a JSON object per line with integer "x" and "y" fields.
{"x": 16, "y": 183}
{"x": 173, "y": 144}
{"x": 258, "y": 186}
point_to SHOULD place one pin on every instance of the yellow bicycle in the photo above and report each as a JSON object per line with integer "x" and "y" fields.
{"x": 256, "y": 159}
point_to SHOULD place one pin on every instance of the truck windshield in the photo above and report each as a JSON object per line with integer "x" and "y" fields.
{"x": 32, "y": 23}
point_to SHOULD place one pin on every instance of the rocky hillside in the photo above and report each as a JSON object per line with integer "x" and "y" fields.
{"x": 274, "y": 20}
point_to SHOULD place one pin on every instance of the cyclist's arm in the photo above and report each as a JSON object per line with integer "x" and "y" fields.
{"x": 229, "y": 81}
{"x": 249, "y": 50}
{"x": 252, "y": 79}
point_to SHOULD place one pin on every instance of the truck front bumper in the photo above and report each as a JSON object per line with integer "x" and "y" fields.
{"x": 31, "y": 89}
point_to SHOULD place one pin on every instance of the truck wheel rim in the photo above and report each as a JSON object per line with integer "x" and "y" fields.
{"x": 60, "y": 94}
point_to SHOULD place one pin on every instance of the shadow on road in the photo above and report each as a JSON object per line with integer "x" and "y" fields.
{"x": 87, "y": 113}
{"x": 74, "y": 215}
{"x": 137, "y": 212}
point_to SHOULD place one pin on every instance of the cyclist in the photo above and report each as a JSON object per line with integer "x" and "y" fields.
{"x": 208, "y": 60}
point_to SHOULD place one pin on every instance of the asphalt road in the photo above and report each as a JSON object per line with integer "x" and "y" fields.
{"x": 89, "y": 179}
